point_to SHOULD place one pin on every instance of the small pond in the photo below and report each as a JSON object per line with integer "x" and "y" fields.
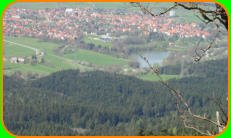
{"x": 154, "y": 57}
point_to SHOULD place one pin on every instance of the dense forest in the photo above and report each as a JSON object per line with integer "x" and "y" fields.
{"x": 100, "y": 103}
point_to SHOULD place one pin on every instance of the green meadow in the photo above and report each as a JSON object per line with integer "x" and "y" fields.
{"x": 95, "y": 58}
{"x": 93, "y": 40}
{"x": 53, "y": 62}
{"x": 153, "y": 77}
{"x": 10, "y": 68}
{"x": 12, "y": 50}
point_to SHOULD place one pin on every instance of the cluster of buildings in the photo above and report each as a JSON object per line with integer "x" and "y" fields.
{"x": 29, "y": 59}
{"x": 70, "y": 23}
{"x": 16, "y": 60}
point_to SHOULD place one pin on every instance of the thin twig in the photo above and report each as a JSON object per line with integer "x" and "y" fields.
{"x": 220, "y": 107}
{"x": 208, "y": 16}
{"x": 180, "y": 99}
{"x": 146, "y": 10}
{"x": 198, "y": 56}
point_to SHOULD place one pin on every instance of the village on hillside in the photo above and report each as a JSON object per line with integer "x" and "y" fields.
{"x": 107, "y": 34}
{"x": 70, "y": 23}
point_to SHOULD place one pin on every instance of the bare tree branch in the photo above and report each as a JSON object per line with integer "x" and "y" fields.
{"x": 147, "y": 10}
{"x": 207, "y": 133}
{"x": 180, "y": 99}
{"x": 198, "y": 56}
{"x": 207, "y": 16}
{"x": 220, "y": 107}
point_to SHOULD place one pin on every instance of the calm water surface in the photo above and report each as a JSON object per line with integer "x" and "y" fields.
{"x": 154, "y": 57}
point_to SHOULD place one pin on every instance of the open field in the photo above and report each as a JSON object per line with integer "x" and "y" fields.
{"x": 90, "y": 39}
{"x": 176, "y": 48}
{"x": 12, "y": 50}
{"x": 153, "y": 77}
{"x": 157, "y": 44}
{"x": 10, "y": 68}
{"x": 95, "y": 58}
{"x": 53, "y": 62}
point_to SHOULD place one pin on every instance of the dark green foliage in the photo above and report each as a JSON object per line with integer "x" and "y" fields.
{"x": 208, "y": 68}
{"x": 10, "y": 82}
{"x": 100, "y": 103}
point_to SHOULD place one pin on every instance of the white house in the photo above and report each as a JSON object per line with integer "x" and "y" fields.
{"x": 69, "y": 11}
{"x": 172, "y": 13}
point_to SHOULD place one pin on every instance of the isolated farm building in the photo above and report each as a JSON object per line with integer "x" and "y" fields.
{"x": 13, "y": 60}
{"x": 172, "y": 13}
{"x": 15, "y": 16}
{"x": 20, "y": 60}
{"x": 105, "y": 37}
{"x": 69, "y": 11}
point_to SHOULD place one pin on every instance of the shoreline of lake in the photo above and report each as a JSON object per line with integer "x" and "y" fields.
{"x": 154, "y": 57}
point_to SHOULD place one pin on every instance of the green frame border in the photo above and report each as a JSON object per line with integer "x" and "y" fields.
{"x": 3, "y": 5}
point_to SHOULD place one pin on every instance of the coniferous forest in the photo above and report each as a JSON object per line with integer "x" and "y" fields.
{"x": 100, "y": 103}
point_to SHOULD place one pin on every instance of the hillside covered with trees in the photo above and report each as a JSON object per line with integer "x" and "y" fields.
{"x": 100, "y": 103}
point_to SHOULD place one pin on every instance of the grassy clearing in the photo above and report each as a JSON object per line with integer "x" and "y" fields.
{"x": 91, "y": 40}
{"x": 157, "y": 44}
{"x": 43, "y": 46}
{"x": 53, "y": 62}
{"x": 153, "y": 77}
{"x": 95, "y": 58}
{"x": 176, "y": 48}
{"x": 25, "y": 68}
{"x": 12, "y": 50}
